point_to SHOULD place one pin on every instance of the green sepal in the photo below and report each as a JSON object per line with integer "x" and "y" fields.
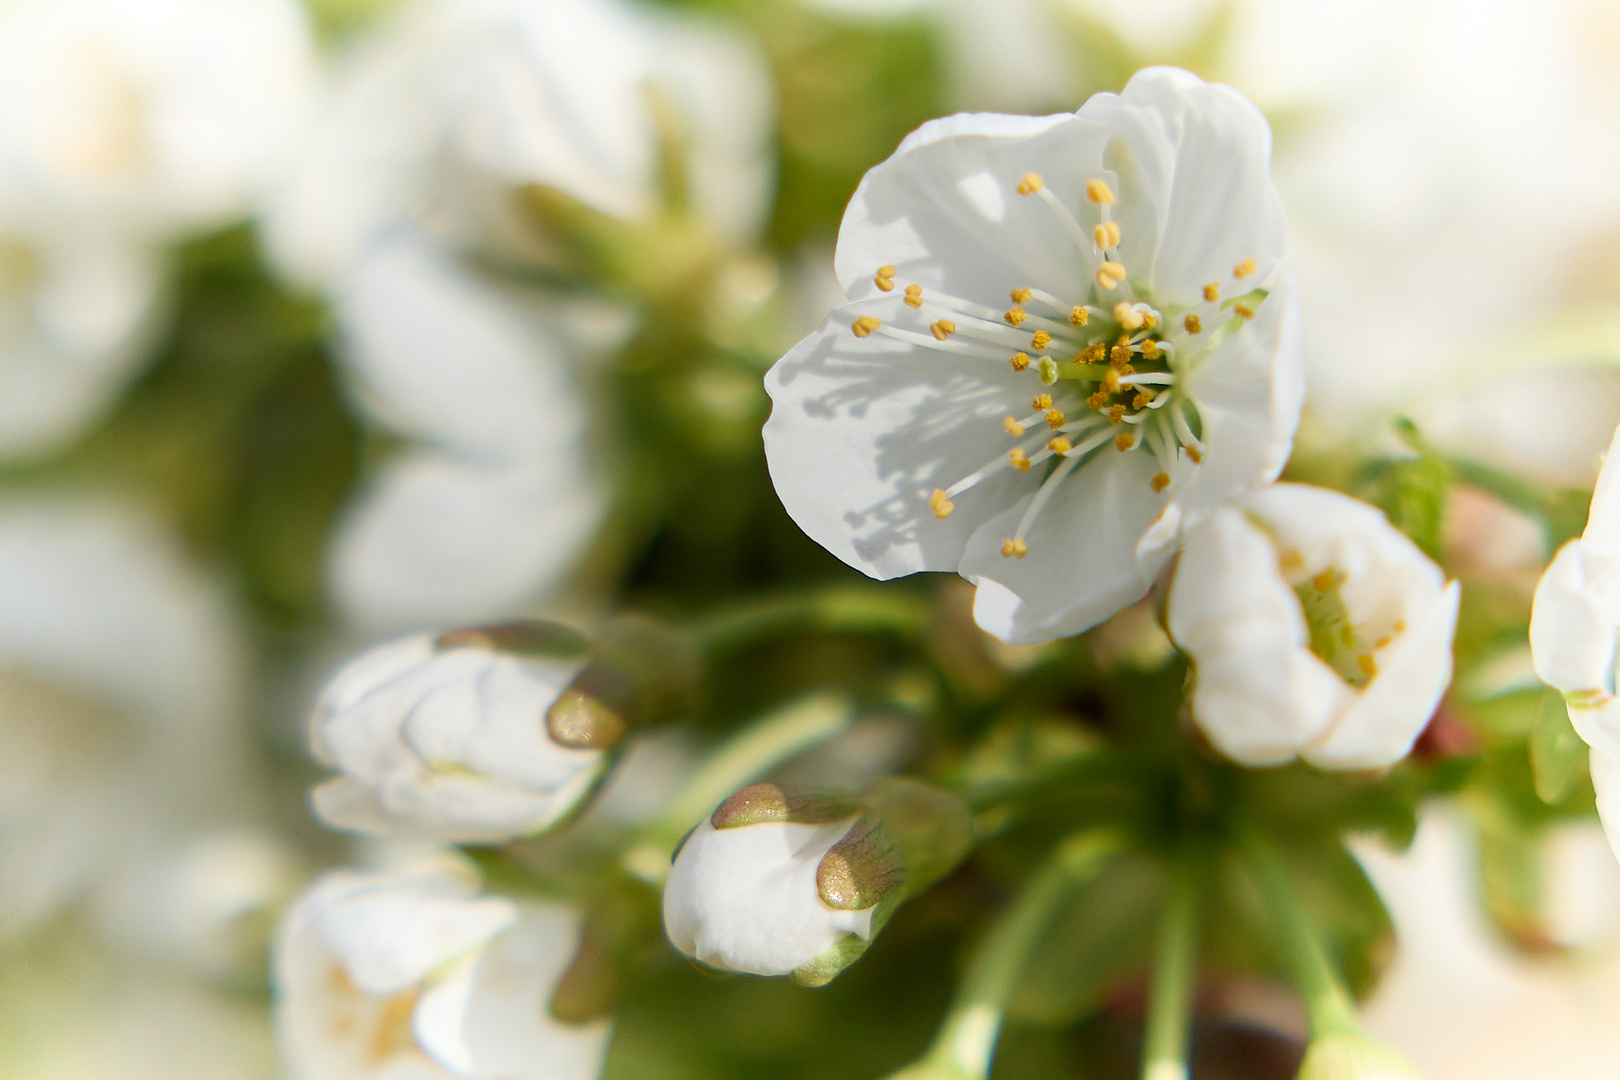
{"x": 759, "y": 803}
{"x": 931, "y": 828}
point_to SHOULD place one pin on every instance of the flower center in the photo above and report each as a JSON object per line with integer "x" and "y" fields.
{"x": 1108, "y": 367}
{"x": 1335, "y": 639}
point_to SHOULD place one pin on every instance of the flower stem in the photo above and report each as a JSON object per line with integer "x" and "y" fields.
{"x": 844, "y": 609}
{"x": 1329, "y": 1008}
{"x": 1175, "y": 974}
{"x": 967, "y": 1038}
{"x": 766, "y": 742}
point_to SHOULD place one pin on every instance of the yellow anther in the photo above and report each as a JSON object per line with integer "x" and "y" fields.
{"x": 942, "y": 329}
{"x": 1193, "y": 324}
{"x": 1054, "y": 419}
{"x": 1324, "y": 581}
{"x": 884, "y": 278}
{"x": 1143, "y": 399}
{"x": 1110, "y": 381}
{"x": 1243, "y": 269}
{"x": 1149, "y": 320}
{"x": 1019, "y": 459}
{"x": 1015, "y": 317}
{"x": 1159, "y": 482}
{"x": 1124, "y": 441}
{"x": 1290, "y": 559}
{"x": 1040, "y": 341}
{"x": 1195, "y": 454}
{"x": 914, "y": 296}
{"x": 1093, "y": 354}
{"x": 864, "y": 325}
{"x": 1110, "y": 274}
{"x": 1022, "y": 296}
{"x": 1106, "y": 234}
{"x": 1099, "y": 192}
{"x": 1119, "y": 355}
{"x": 1031, "y": 183}
{"x": 1060, "y": 445}
{"x": 1019, "y": 361}
{"x": 1127, "y": 316}
{"x": 1014, "y": 549}
{"x": 1079, "y": 316}
{"x": 1098, "y": 400}
{"x": 1150, "y": 349}
{"x": 1041, "y": 403}
{"x": 1244, "y": 311}
{"x": 1212, "y": 292}
{"x": 1013, "y": 427}
{"x": 1382, "y": 642}
{"x": 1368, "y": 666}
{"x": 940, "y": 505}
{"x": 1400, "y": 626}
{"x": 1116, "y": 414}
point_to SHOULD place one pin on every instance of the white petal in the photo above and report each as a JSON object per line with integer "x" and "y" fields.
{"x": 862, "y": 431}
{"x": 745, "y": 898}
{"x": 1378, "y": 729}
{"x": 1082, "y": 564}
{"x": 371, "y": 671}
{"x": 491, "y": 1017}
{"x": 1606, "y": 782}
{"x": 1571, "y": 641}
{"x": 1603, "y": 522}
{"x": 1248, "y": 392}
{"x": 364, "y": 739}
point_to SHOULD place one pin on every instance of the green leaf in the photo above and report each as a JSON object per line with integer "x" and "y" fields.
{"x": 1558, "y": 757}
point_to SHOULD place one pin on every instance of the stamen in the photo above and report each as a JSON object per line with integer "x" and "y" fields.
{"x": 1014, "y": 428}
{"x": 1119, "y": 355}
{"x": 1212, "y": 292}
{"x": 1324, "y": 581}
{"x": 964, "y": 348}
{"x": 864, "y": 325}
{"x": 914, "y": 296}
{"x": 1106, "y": 234}
{"x": 1184, "y": 433}
{"x": 1054, "y": 419}
{"x": 1243, "y": 311}
{"x": 1019, "y": 361}
{"x": 1031, "y": 183}
{"x": 1014, "y": 549}
{"x": 940, "y": 504}
{"x": 1116, "y": 414}
{"x": 1042, "y": 497}
{"x": 1099, "y": 192}
{"x": 1110, "y": 274}
{"x": 942, "y": 329}
{"x": 1143, "y": 399}
{"x": 1022, "y": 296}
{"x": 1368, "y": 666}
{"x": 1150, "y": 349}
{"x": 1040, "y": 341}
{"x": 1155, "y": 378}
{"x": 1193, "y": 324}
{"x": 1018, "y": 459}
{"x": 1128, "y": 316}
{"x": 1059, "y": 445}
{"x": 1124, "y": 441}
{"x": 1015, "y": 317}
{"x": 1079, "y": 316}
{"x": 884, "y": 278}
{"x": 1243, "y": 269}
{"x": 1159, "y": 482}
{"x": 1041, "y": 403}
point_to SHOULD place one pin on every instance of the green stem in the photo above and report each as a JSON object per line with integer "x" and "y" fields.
{"x": 1175, "y": 974}
{"x": 967, "y": 1038}
{"x": 843, "y": 609}
{"x": 759, "y": 746}
{"x": 1100, "y": 769}
{"x": 1329, "y": 1008}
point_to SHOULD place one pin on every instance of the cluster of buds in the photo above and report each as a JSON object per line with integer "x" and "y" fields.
{"x": 784, "y": 881}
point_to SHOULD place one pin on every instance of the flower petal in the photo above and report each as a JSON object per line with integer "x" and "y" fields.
{"x": 863, "y": 431}
{"x": 1606, "y": 782}
{"x": 1082, "y": 564}
{"x": 1603, "y": 521}
{"x": 1571, "y": 641}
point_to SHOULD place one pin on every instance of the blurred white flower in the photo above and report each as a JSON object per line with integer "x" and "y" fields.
{"x": 908, "y": 444}
{"x": 395, "y": 976}
{"x": 498, "y": 490}
{"x": 452, "y": 108}
{"x": 447, "y": 741}
{"x": 761, "y": 885}
{"x": 76, "y": 314}
{"x": 1314, "y": 628}
{"x": 120, "y": 688}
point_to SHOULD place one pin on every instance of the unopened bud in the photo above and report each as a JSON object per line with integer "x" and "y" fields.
{"x": 639, "y": 672}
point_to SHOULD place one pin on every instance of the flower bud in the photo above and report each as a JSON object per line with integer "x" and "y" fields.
{"x": 782, "y": 881}
{"x": 449, "y": 738}
{"x": 1353, "y": 1057}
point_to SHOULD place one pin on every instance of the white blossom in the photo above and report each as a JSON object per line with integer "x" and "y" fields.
{"x": 452, "y": 108}
{"x": 381, "y": 975}
{"x": 750, "y": 888}
{"x": 1051, "y": 449}
{"x": 497, "y": 491}
{"x": 447, "y": 742}
{"x": 1315, "y": 629}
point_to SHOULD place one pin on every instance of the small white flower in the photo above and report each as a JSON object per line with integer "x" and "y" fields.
{"x": 446, "y": 738}
{"x": 446, "y": 113}
{"x": 1315, "y": 629}
{"x": 498, "y": 491}
{"x": 1069, "y": 337}
{"x": 763, "y": 885}
{"x": 387, "y": 976}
